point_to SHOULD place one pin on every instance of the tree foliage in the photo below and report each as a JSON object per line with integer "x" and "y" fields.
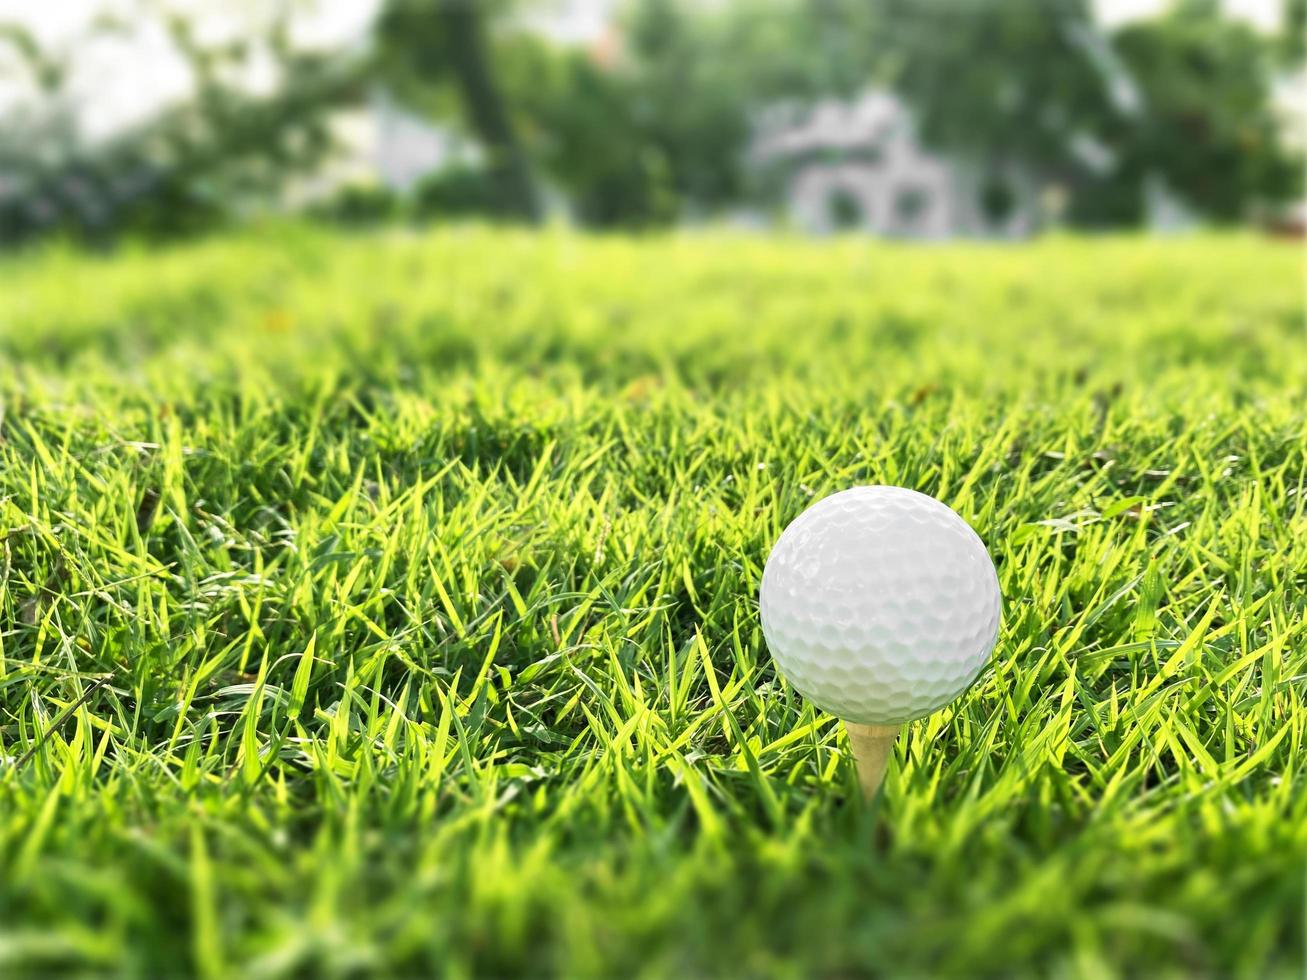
{"x": 1183, "y": 99}
{"x": 185, "y": 168}
{"x": 426, "y": 45}
{"x": 653, "y": 122}
{"x": 1001, "y": 80}
{"x": 1208, "y": 127}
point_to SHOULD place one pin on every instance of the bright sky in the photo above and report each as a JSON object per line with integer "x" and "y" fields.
{"x": 122, "y": 80}
{"x": 1264, "y": 14}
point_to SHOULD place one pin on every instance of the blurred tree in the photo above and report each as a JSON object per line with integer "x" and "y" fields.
{"x": 457, "y": 191}
{"x": 1208, "y": 127}
{"x": 582, "y": 130}
{"x": 1292, "y": 42}
{"x": 426, "y": 44}
{"x": 358, "y": 205}
{"x": 1006, "y": 82}
{"x": 636, "y": 128}
{"x": 653, "y": 121}
{"x": 187, "y": 167}
{"x": 1184, "y": 99}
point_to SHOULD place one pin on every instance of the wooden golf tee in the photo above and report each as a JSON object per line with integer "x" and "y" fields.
{"x": 871, "y": 746}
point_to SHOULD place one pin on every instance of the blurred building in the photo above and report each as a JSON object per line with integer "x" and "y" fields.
{"x": 858, "y": 165}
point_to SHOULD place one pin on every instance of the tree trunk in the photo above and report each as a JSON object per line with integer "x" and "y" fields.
{"x": 484, "y": 104}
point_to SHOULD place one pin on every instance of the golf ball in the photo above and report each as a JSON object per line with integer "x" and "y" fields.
{"x": 879, "y": 604}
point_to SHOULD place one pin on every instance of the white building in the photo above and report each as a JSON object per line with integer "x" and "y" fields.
{"x": 858, "y": 165}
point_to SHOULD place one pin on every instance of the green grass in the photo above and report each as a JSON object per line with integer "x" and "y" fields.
{"x": 387, "y": 604}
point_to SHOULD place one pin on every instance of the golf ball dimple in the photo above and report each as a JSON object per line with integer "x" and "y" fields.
{"x": 880, "y": 604}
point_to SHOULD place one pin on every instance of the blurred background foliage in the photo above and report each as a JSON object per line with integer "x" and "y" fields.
{"x": 187, "y": 168}
{"x": 651, "y": 123}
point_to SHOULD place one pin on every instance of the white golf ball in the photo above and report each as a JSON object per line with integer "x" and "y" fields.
{"x": 879, "y": 604}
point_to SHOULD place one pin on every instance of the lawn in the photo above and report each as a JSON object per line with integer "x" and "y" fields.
{"x": 387, "y": 604}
